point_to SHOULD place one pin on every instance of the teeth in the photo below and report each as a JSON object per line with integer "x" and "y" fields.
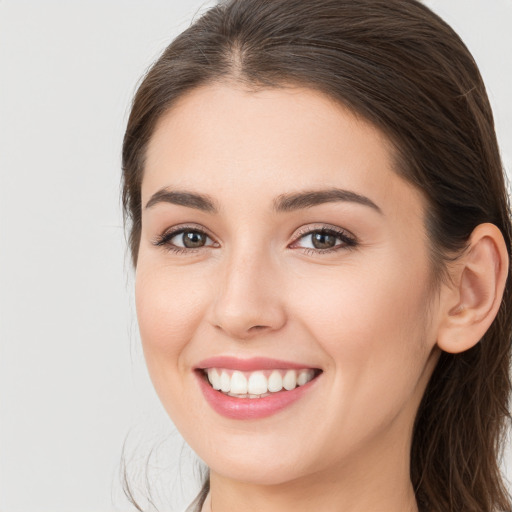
{"x": 275, "y": 382}
{"x": 304, "y": 377}
{"x": 259, "y": 383}
{"x": 290, "y": 380}
{"x": 247, "y": 395}
{"x": 214, "y": 378}
{"x": 238, "y": 383}
{"x": 225, "y": 382}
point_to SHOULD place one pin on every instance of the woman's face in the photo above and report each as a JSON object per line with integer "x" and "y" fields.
{"x": 278, "y": 246}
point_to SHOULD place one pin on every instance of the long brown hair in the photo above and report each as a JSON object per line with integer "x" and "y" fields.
{"x": 398, "y": 65}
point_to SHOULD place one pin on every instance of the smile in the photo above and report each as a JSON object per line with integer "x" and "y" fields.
{"x": 257, "y": 384}
{"x": 253, "y": 388}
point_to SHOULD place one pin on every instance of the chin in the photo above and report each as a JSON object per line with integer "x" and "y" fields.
{"x": 266, "y": 459}
{"x": 257, "y": 472}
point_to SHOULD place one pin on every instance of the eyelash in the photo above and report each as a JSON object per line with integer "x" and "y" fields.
{"x": 348, "y": 241}
{"x": 164, "y": 240}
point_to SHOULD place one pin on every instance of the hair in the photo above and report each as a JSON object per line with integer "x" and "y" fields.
{"x": 399, "y": 66}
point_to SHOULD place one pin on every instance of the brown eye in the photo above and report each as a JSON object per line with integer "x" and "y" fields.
{"x": 185, "y": 239}
{"x": 191, "y": 239}
{"x": 323, "y": 240}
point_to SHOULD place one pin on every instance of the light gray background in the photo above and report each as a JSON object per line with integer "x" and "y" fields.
{"x": 73, "y": 384}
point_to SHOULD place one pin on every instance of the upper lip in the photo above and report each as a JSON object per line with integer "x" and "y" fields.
{"x": 248, "y": 365}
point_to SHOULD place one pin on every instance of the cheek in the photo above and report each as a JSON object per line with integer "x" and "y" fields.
{"x": 362, "y": 300}
{"x": 373, "y": 326}
{"x": 169, "y": 307}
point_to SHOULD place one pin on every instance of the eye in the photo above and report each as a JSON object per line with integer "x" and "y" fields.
{"x": 325, "y": 239}
{"x": 184, "y": 239}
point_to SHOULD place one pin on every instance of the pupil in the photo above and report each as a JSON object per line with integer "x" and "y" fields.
{"x": 193, "y": 239}
{"x": 323, "y": 241}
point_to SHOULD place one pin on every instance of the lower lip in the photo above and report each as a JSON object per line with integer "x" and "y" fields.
{"x": 250, "y": 408}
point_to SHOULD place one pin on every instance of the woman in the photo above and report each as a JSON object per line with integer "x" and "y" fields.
{"x": 321, "y": 235}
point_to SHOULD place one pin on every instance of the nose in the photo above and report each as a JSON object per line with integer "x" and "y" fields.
{"x": 247, "y": 300}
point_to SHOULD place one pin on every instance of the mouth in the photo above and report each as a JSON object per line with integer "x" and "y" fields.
{"x": 259, "y": 383}
{"x": 249, "y": 389}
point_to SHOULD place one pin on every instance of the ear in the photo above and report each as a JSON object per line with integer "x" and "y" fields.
{"x": 471, "y": 304}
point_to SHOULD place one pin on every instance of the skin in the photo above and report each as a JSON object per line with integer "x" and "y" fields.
{"x": 365, "y": 314}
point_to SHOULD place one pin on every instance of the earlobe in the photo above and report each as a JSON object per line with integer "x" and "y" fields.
{"x": 471, "y": 305}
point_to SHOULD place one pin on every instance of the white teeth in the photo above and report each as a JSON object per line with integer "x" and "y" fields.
{"x": 275, "y": 382}
{"x": 247, "y": 395}
{"x": 304, "y": 377}
{"x": 238, "y": 383}
{"x": 290, "y": 380}
{"x": 214, "y": 378}
{"x": 225, "y": 382}
{"x": 257, "y": 384}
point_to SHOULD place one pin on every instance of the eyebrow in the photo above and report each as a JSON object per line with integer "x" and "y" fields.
{"x": 181, "y": 198}
{"x": 283, "y": 203}
{"x": 307, "y": 199}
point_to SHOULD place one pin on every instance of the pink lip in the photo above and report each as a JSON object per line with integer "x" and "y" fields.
{"x": 249, "y": 365}
{"x": 250, "y": 408}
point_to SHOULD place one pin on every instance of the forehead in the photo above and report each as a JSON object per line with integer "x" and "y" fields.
{"x": 223, "y": 138}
